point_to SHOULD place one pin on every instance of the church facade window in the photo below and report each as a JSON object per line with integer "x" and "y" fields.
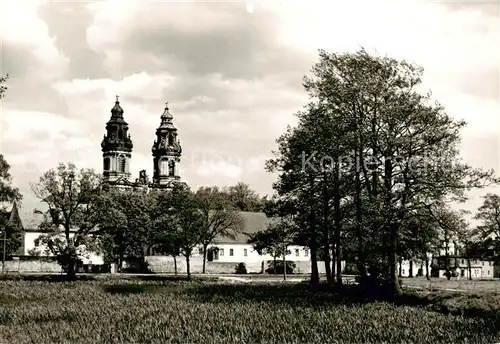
{"x": 106, "y": 164}
{"x": 121, "y": 164}
{"x": 171, "y": 168}
{"x": 163, "y": 167}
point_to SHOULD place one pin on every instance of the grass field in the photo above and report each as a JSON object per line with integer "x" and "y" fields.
{"x": 138, "y": 311}
{"x": 463, "y": 284}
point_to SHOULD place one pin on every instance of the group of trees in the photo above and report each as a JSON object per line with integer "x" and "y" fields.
{"x": 83, "y": 215}
{"x": 370, "y": 172}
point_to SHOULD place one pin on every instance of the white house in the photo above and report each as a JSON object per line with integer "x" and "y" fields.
{"x": 480, "y": 268}
{"x": 238, "y": 249}
{"x": 457, "y": 263}
{"x": 32, "y": 246}
{"x": 415, "y": 267}
{"x": 226, "y": 253}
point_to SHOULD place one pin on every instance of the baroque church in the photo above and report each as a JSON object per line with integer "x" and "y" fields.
{"x": 117, "y": 153}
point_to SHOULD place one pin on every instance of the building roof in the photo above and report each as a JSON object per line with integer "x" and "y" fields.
{"x": 252, "y": 223}
{"x": 13, "y": 216}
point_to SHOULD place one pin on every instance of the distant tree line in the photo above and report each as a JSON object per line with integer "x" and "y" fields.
{"x": 83, "y": 215}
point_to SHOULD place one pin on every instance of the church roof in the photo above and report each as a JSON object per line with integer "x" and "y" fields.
{"x": 252, "y": 222}
{"x": 117, "y": 114}
{"x": 12, "y": 217}
{"x": 166, "y": 120}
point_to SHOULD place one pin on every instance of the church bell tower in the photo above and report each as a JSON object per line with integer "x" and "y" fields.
{"x": 166, "y": 152}
{"x": 116, "y": 147}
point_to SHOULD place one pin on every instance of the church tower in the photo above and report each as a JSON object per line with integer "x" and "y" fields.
{"x": 166, "y": 153}
{"x": 116, "y": 148}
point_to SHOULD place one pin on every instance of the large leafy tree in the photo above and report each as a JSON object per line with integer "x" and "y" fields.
{"x": 489, "y": 215}
{"x": 220, "y": 218}
{"x": 126, "y": 225}
{"x": 401, "y": 151}
{"x": 164, "y": 238}
{"x": 275, "y": 239}
{"x": 182, "y": 221}
{"x": 243, "y": 198}
{"x": 73, "y": 215}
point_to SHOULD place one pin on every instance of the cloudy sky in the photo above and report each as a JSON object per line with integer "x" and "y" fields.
{"x": 231, "y": 72}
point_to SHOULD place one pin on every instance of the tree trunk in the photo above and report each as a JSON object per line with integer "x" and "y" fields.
{"x": 204, "y": 257}
{"x": 188, "y": 268}
{"x": 338, "y": 255}
{"x": 334, "y": 262}
{"x": 396, "y": 288}
{"x": 326, "y": 232}
{"x": 328, "y": 270}
{"x": 314, "y": 265}
{"x": 175, "y": 265}
{"x": 468, "y": 262}
{"x": 446, "y": 255}
{"x": 71, "y": 270}
{"x": 359, "y": 230}
{"x": 392, "y": 228}
{"x": 274, "y": 266}
{"x": 400, "y": 273}
{"x": 410, "y": 272}
{"x": 338, "y": 222}
{"x": 427, "y": 267}
{"x": 120, "y": 262}
{"x": 326, "y": 257}
{"x": 284, "y": 263}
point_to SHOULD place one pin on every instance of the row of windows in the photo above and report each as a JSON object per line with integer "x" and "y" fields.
{"x": 476, "y": 272}
{"x": 245, "y": 252}
{"x": 167, "y": 167}
{"x": 463, "y": 261}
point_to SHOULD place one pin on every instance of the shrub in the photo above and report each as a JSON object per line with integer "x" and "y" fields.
{"x": 351, "y": 269}
{"x": 278, "y": 269}
{"x": 241, "y": 269}
{"x": 137, "y": 267}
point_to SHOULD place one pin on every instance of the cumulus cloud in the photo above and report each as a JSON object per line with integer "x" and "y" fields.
{"x": 24, "y": 33}
{"x": 143, "y": 84}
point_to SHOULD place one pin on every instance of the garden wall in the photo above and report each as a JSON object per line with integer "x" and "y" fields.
{"x": 31, "y": 266}
{"x": 163, "y": 264}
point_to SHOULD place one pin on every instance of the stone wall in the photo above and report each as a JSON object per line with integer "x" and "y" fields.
{"x": 163, "y": 264}
{"x": 31, "y": 266}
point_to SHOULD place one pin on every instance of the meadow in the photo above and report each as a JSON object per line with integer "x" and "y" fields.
{"x": 164, "y": 311}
